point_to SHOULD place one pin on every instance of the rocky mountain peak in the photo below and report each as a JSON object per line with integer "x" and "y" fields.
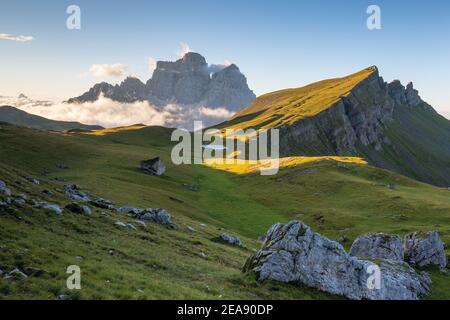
{"x": 185, "y": 81}
{"x": 193, "y": 60}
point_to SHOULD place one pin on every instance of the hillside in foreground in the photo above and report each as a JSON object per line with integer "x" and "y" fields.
{"x": 361, "y": 115}
{"x": 158, "y": 262}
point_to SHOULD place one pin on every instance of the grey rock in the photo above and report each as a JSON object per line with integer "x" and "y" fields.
{"x": 102, "y": 203}
{"x": 159, "y": 216}
{"x": 293, "y": 253}
{"x": 49, "y": 206}
{"x": 191, "y": 229}
{"x": 4, "y": 190}
{"x": 203, "y": 255}
{"x": 141, "y": 223}
{"x": 425, "y": 248}
{"x": 73, "y": 192}
{"x": 130, "y": 210}
{"x": 391, "y": 186}
{"x": 120, "y": 224}
{"x": 16, "y": 273}
{"x": 131, "y": 226}
{"x": 18, "y": 202}
{"x": 80, "y": 209}
{"x": 235, "y": 241}
{"x": 153, "y": 166}
{"x": 378, "y": 245}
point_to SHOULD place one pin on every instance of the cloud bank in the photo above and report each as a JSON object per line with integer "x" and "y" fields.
{"x": 17, "y": 38}
{"x": 108, "y": 70}
{"x": 184, "y": 48}
{"x": 108, "y": 113}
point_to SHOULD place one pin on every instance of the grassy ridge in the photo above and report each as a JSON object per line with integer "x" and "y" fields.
{"x": 291, "y": 105}
{"x": 165, "y": 263}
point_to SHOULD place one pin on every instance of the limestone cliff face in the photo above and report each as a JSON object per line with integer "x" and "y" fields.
{"x": 186, "y": 81}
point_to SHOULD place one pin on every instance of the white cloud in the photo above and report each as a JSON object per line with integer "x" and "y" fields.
{"x": 18, "y": 38}
{"x": 221, "y": 113}
{"x": 109, "y": 113}
{"x": 184, "y": 48}
{"x": 151, "y": 64}
{"x": 108, "y": 70}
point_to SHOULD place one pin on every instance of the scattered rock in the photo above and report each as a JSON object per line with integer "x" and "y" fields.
{"x": 235, "y": 241}
{"x": 18, "y": 202}
{"x": 154, "y": 166}
{"x": 102, "y": 203}
{"x": 73, "y": 192}
{"x": 120, "y": 224}
{"x": 131, "y": 226}
{"x": 63, "y": 297}
{"x": 33, "y": 180}
{"x": 294, "y": 253}
{"x": 203, "y": 225}
{"x": 4, "y": 190}
{"x": 424, "y": 248}
{"x": 142, "y": 223}
{"x": 191, "y": 229}
{"x": 203, "y": 255}
{"x": 49, "y": 206}
{"x": 159, "y": 216}
{"x": 378, "y": 245}
{"x": 130, "y": 210}
{"x": 81, "y": 209}
{"x": 16, "y": 273}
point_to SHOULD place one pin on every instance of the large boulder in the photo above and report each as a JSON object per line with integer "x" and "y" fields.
{"x": 293, "y": 253}
{"x": 378, "y": 245}
{"x": 159, "y": 216}
{"x": 235, "y": 241}
{"x": 425, "y": 248}
{"x": 153, "y": 166}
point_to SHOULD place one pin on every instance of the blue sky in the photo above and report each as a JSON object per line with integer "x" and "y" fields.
{"x": 276, "y": 44}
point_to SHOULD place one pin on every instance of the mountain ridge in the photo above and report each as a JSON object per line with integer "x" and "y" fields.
{"x": 19, "y": 117}
{"x": 386, "y": 123}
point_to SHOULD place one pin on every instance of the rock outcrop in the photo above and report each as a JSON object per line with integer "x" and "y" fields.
{"x": 235, "y": 241}
{"x": 294, "y": 253}
{"x": 378, "y": 245}
{"x": 425, "y": 248}
{"x": 155, "y": 167}
{"x": 187, "y": 81}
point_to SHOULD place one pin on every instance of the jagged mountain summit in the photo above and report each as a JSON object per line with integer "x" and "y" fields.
{"x": 386, "y": 123}
{"x": 189, "y": 80}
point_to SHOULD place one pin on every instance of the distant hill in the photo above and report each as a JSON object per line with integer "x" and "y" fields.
{"x": 358, "y": 115}
{"x": 21, "y": 118}
{"x": 189, "y": 80}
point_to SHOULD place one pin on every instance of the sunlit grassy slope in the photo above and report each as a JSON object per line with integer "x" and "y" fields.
{"x": 161, "y": 263}
{"x": 250, "y": 166}
{"x": 291, "y": 105}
